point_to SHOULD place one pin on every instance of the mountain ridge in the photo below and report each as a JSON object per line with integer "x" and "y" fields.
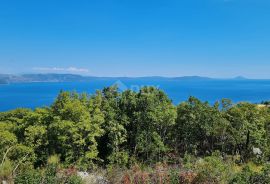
{"x": 53, "y": 77}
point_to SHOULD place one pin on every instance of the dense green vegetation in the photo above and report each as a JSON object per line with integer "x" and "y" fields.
{"x": 220, "y": 143}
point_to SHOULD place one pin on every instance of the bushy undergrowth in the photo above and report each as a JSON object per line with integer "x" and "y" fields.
{"x": 29, "y": 176}
{"x": 249, "y": 176}
{"x": 189, "y": 170}
{"x": 209, "y": 170}
{"x": 51, "y": 175}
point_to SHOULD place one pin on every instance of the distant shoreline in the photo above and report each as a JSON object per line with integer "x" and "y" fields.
{"x": 54, "y": 78}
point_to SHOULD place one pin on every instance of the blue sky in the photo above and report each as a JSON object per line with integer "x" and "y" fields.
{"x": 216, "y": 38}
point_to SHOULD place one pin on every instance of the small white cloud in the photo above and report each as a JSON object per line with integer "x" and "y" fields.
{"x": 62, "y": 70}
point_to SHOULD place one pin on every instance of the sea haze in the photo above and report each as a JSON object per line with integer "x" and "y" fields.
{"x": 39, "y": 94}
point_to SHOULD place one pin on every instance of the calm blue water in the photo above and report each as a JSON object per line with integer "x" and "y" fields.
{"x": 33, "y": 95}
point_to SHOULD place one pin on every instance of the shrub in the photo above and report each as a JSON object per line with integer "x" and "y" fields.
{"x": 74, "y": 179}
{"x": 53, "y": 160}
{"x": 242, "y": 177}
{"x": 174, "y": 176}
{"x": 50, "y": 174}
{"x": 213, "y": 170}
{"x": 266, "y": 171}
{"x": 248, "y": 176}
{"x": 28, "y": 177}
{"x": 6, "y": 170}
{"x": 189, "y": 161}
{"x": 188, "y": 177}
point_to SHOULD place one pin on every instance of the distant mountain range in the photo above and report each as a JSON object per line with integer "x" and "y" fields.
{"x": 29, "y": 78}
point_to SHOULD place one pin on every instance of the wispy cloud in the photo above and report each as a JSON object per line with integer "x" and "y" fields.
{"x": 62, "y": 70}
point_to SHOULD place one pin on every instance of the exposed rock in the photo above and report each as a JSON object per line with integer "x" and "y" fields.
{"x": 83, "y": 175}
{"x": 257, "y": 151}
{"x": 93, "y": 178}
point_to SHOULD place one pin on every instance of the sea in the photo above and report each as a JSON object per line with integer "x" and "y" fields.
{"x": 41, "y": 94}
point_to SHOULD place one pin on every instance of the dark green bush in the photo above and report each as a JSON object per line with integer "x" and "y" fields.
{"x": 50, "y": 174}
{"x": 263, "y": 177}
{"x": 247, "y": 176}
{"x": 28, "y": 177}
{"x": 242, "y": 177}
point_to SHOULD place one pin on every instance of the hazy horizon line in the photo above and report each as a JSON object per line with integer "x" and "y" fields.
{"x": 142, "y": 76}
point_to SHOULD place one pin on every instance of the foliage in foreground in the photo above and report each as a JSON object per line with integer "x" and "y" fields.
{"x": 110, "y": 128}
{"x": 212, "y": 170}
{"x": 49, "y": 176}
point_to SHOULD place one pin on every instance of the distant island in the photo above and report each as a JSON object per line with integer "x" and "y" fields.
{"x": 29, "y": 78}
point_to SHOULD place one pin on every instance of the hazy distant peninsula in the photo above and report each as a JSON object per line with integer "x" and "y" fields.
{"x": 29, "y": 78}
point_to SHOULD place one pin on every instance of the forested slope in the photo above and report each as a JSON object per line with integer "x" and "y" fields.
{"x": 111, "y": 129}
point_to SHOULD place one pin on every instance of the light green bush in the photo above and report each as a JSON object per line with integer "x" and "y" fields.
{"x": 74, "y": 179}
{"x": 213, "y": 169}
{"x": 6, "y": 170}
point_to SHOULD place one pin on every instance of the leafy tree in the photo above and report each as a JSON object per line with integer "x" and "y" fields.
{"x": 155, "y": 116}
{"x": 128, "y": 108}
{"x": 112, "y": 142}
{"x": 7, "y": 139}
{"x": 75, "y": 128}
{"x": 200, "y": 128}
{"x": 247, "y": 128}
{"x": 120, "y": 128}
